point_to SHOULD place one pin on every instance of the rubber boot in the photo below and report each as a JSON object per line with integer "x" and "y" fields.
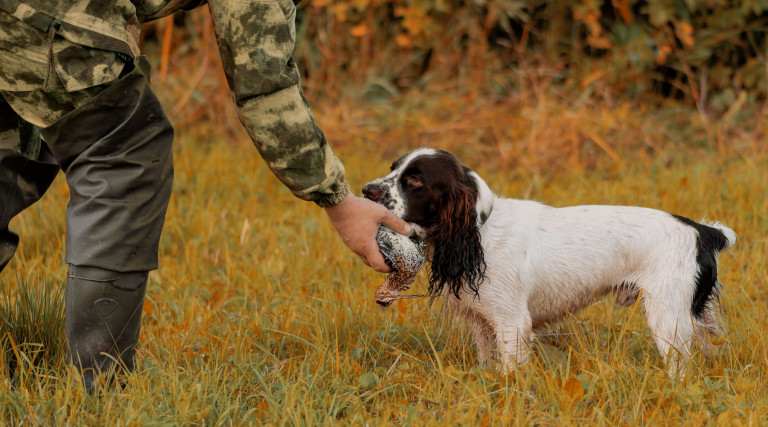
{"x": 102, "y": 322}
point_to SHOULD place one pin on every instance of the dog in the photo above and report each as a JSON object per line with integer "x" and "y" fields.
{"x": 511, "y": 266}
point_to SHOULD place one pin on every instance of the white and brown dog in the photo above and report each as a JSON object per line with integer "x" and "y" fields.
{"x": 510, "y": 266}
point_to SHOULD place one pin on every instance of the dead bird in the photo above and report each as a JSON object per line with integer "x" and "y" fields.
{"x": 405, "y": 256}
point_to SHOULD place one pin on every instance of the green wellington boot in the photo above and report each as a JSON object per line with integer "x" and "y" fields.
{"x": 102, "y": 321}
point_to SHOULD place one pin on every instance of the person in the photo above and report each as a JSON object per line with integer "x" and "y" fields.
{"x": 75, "y": 97}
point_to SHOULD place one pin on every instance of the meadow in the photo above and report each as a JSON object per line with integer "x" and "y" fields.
{"x": 259, "y": 315}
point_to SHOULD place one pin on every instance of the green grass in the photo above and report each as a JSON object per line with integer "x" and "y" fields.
{"x": 31, "y": 332}
{"x": 259, "y": 315}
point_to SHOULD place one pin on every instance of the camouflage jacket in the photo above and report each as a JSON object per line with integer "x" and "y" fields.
{"x": 256, "y": 41}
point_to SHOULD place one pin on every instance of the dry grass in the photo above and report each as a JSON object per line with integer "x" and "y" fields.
{"x": 259, "y": 315}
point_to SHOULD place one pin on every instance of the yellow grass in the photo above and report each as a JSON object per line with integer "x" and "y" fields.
{"x": 259, "y": 315}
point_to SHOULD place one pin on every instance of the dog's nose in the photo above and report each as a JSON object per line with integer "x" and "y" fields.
{"x": 372, "y": 192}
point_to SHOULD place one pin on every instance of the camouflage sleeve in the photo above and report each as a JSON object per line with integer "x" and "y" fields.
{"x": 256, "y": 41}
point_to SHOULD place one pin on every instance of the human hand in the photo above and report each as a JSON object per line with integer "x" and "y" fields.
{"x": 357, "y": 221}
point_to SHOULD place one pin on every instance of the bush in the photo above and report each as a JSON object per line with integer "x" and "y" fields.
{"x": 707, "y": 51}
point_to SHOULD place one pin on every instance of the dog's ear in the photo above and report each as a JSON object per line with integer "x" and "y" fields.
{"x": 457, "y": 257}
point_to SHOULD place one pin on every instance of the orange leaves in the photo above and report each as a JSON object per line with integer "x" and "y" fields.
{"x": 339, "y": 10}
{"x": 589, "y": 14}
{"x": 661, "y": 54}
{"x": 625, "y": 11}
{"x": 356, "y": 4}
{"x": 415, "y": 18}
{"x": 365, "y": 4}
{"x": 148, "y": 307}
{"x": 360, "y": 30}
{"x": 403, "y": 40}
{"x": 573, "y": 390}
{"x": 684, "y": 32}
{"x": 592, "y": 77}
{"x": 599, "y": 42}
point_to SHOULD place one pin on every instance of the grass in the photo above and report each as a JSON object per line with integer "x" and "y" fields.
{"x": 31, "y": 332}
{"x": 259, "y": 315}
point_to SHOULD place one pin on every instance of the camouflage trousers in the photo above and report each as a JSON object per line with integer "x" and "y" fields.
{"x": 91, "y": 114}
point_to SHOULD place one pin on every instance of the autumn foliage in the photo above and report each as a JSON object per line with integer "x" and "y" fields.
{"x": 535, "y": 84}
{"x": 706, "y": 52}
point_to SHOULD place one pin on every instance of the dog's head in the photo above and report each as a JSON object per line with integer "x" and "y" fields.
{"x": 432, "y": 189}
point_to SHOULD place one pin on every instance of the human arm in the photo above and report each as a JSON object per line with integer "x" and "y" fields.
{"x": 256, "y": 41}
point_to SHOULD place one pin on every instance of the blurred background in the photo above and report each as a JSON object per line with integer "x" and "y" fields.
{"x": 534, "y": 85}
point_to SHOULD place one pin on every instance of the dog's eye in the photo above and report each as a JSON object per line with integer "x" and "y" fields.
{"x": 413, "y": 180}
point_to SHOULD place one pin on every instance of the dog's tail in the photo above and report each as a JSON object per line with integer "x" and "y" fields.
{"x": 705, "y": 306}
{"x": 713, "y": 238}
{"x": 730, "y": 235}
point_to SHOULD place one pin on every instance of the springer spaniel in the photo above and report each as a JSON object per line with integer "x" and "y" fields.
{"x": 510, "y": 266}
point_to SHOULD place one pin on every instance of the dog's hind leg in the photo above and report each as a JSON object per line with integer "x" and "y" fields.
{"x": 626, "y": 294}
{"x": 672, "y": 327}
{"x": 710, "y": 334}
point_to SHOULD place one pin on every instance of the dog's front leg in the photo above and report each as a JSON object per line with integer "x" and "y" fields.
{"x": 485, "y": 340}
{"x": 513, "y": 338}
